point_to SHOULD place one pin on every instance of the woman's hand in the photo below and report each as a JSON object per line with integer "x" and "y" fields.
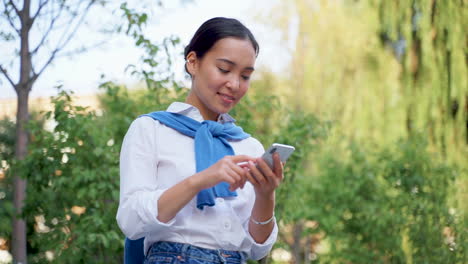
{"x": 176, "y": 197}
{"x": 264, "y": 179}
{"x": 225, "y": 170}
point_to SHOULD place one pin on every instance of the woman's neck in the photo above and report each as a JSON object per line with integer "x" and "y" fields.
{"x": 193, "y": 100}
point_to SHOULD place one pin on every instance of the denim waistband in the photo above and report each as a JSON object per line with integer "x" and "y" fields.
{"x": 183, "y": 251}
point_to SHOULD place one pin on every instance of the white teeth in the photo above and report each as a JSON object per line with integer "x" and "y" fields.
{"x": 227, "y": 97}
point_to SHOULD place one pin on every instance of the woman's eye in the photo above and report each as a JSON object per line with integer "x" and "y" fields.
{"x": 223, "y": 70}
{"x": 245, "y": 77}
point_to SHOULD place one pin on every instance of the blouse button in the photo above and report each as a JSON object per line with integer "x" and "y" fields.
{"x": 227, "y": 225}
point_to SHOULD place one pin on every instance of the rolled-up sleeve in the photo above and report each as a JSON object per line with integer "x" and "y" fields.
{"x": 139, "y": 193}
{"x": 259, "y": 251}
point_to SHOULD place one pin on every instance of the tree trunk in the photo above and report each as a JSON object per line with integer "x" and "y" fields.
{"x": 297, "y": 249}
{"x": 307, "y": 248}
{"x": 23, "y": 88}
{"x": 19, "y": 184}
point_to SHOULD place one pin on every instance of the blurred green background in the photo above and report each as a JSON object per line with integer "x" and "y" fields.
{"x": 375, "y": 99}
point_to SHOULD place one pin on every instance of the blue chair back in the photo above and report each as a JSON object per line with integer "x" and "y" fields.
{"x": 134, "y": 251}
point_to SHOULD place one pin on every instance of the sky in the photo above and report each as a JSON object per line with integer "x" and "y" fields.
{"x": 82, "y": 72}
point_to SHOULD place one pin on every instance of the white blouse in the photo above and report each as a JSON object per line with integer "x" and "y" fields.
{"x": 155, "y": 157}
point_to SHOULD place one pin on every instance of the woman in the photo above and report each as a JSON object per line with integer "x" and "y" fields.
{"x": 191, "y": 181}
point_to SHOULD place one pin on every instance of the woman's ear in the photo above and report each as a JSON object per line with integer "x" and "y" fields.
{"x": 191, "y": 63}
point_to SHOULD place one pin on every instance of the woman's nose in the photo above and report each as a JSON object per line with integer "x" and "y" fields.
{"x": 233, "y": 83}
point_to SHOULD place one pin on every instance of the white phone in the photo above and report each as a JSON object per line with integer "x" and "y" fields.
{"x": 284, "y": 152}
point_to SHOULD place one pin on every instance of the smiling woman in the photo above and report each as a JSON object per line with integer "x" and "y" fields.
{"x": 220, "y": 65}
{"x": 192, "y": 183}
{"x": 221, "y": 77}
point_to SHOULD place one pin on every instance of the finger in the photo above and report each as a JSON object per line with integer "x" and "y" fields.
{"x": 244, "y": 172}
{"x": 277, "y": 166}
{"x": 237, "y": 175}
{"x": 243, "y": 164}
{"x": 238, "y": 169}
{"x": 244, "y": 178}
{"x": 263, "y": 167}
{"x": 240, "y": 176}
{"x": 238, "y": 184}
{"x": 256, "y": 173}
{"x": 233, "y": 187}
{"x": 228, "y": 178}
{"x": 265, "y": 170}
{"x": 251, "y": 178}
{"x": 241, "y": 158}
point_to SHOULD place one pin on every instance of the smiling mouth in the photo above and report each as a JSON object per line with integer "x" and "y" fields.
{"x": 226, "y": 98}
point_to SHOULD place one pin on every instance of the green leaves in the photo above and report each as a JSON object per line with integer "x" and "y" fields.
{"x": 155, "y": 68}
{"x": 362, "y": 204}
{"x": 393, "y": 199}
{"x": 72, "y": 172}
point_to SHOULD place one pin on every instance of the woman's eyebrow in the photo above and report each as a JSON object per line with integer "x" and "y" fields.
{"x": 233, "y": 63}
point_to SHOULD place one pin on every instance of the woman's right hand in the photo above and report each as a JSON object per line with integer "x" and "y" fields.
{"x": 224, "y": 170}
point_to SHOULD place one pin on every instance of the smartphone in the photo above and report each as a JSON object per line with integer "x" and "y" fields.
{"x": 284, "y": 152}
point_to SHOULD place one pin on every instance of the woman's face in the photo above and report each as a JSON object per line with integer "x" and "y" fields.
{"x": 221, "y": 77}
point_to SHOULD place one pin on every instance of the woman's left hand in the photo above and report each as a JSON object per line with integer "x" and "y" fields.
{"x": 264, "y": 179}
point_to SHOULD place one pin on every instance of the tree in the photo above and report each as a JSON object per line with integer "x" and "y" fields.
{"x": 383, "y": 71}
{"x": 429, "y": 40}
{"x": 401, "y": 67}
{"x": 54, "y": 23}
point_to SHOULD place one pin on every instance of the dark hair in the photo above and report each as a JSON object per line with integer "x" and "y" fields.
{"x": 215, "y": 29}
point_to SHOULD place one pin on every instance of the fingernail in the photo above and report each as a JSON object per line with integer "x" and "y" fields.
{"x": 242, "y": 163}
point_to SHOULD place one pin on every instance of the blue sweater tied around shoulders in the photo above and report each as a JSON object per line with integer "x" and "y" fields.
{"x": 211, "y": 144}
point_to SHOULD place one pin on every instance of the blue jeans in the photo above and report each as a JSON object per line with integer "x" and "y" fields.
{"x": 175, "y": 253}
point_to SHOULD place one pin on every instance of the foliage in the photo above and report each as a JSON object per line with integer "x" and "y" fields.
{"x": 384, "y": 72}
{"x": 400, "y": 66}
{"x": 7, "y": 148}
{"x": 22, "y": 21}
{"x": 155, "y": 66}
{"x": 7, "y": 139}
{"x": 368, "y": 189}
{"x": 77, "y": 157}
{"x": 385, "y": 206}
{"x": 74, "y": 180}
{"x": 369, "y": 206}
{"x": 72, "y": 174}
